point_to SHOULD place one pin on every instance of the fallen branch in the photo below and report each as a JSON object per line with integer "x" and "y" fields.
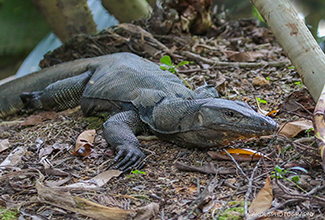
{"x": 234, "y": 64}
{"x": 319, "y": 125}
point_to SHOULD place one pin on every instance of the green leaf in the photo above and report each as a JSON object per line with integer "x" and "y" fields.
{"x": 172, "y": 69}
{"x": 295, "y": 178}
{"x": 261, "y": 100}
{"x": 278, "y": 169}
{"x": 138, "y": 172}
{"x": 166, "y": 60}
{"x": 291, "y": 67}
{"x": 183, "y": 63}
{"x": 163, "y": 67}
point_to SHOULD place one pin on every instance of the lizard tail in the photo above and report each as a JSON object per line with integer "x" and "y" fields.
{"x": 10, "y": 103}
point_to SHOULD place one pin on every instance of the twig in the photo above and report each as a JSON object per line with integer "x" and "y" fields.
{"x": 237, "y": 165}
{"x": 234, "y": 64}
{"x": 297, "y": 144}
{"x": 208, "y": 189}
{"x": 250, "y": 186}
{"x": 4, "y": 123}
{"x": 316, "y": 189}
{"x": 250, "y": 183}
{"x": 307, "y": 196}
{"x": 193, "y": 70}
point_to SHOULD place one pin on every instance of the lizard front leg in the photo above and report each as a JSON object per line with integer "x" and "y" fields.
{"x": 119, "y": 132}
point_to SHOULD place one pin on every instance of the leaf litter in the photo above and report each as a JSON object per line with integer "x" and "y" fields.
{"x": 81, "y": 187}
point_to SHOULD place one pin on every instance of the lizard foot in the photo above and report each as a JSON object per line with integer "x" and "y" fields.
{"x": 129, "y": 157}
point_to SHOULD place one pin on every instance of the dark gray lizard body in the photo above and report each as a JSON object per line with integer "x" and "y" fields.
{"x": 138, "y": 95}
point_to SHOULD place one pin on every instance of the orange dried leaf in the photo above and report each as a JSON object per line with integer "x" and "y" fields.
{"x": 272, "y": 113}
{"x": 239, "y": 155}
{"x": 263, "y": 200}
{"x": 246, "y": 151}
{"x": 291, "y": 129}
{"x": 84, "y": 143}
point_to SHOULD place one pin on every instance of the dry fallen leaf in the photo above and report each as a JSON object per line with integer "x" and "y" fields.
{"x": 291, "y": 129}
{"x": 242, "y": 56}
{"x": 4, "y": 145}
{"x": 65, "y": 200}
{"x": 95, "y": 182}
{"x": 260, "y": 81}
{"x": 84, "y": 143}
{"x": 14, "y": 157}
{"x": 45, "y": 151}
{"x": 147, "y": 212}
{"x": 102, "y": 178}
{"x": 238, "y": 154}
{"x": 299, "y": 102}
{"x": 263, "y": 200}
{"x": 35, "y": 119}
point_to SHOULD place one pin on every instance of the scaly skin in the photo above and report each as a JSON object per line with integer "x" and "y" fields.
{"x": 10, "y": 103}
{"x": 139, "y": 96}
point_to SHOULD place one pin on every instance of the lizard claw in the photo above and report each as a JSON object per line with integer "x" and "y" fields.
{"x": 128, "y": 157}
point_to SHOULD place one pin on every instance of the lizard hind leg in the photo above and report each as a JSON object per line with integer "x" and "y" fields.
{"x": 31, "y": 101}
{"x": 57, "y": 96}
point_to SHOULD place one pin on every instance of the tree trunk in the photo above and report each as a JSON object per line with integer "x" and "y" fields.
{"x": 67, "y": 18}
{"x": 127, "y": 10}
{"x": 152, "y": 3}
{"x": 297, "y": 42}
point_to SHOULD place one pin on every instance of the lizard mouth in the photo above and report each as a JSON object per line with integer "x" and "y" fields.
{"x": 240, "y": 132}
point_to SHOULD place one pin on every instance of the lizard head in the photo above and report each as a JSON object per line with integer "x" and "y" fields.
{"x": 216, "y": 122}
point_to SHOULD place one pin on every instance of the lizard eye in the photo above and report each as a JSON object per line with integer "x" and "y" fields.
{"x": 232, "y": 116}
{"x": 229, "y": 114}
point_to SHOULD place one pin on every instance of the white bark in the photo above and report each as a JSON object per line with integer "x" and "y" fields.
{"x": 297, "y": 42}
{"x": 127, "y": 10}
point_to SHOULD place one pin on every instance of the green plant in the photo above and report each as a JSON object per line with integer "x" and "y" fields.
{"x": 281, "y": 173}
{"x": 168, "y": 65}
{"x": 138, "y": 172}
{"x": 267, "y": 78}
{"x": 308, "y": 131}
{"x": 298, "y": 83}
{"x": 261, "y": 100}
{"x": 8, "y": 214}
{"x": 291, "y": 67}
{"x": 286, "y": 148}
